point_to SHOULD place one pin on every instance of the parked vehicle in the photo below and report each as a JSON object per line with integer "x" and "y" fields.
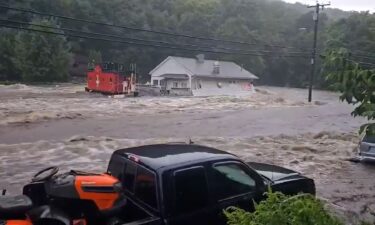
{"x": 160, "y": 184}
{"x": 73, "y": 198}
{"x": 192, "y": 184}
{"x": 367, "y": 148}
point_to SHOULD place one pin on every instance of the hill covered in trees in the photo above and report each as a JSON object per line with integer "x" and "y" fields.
{"x": 271, "y": 29}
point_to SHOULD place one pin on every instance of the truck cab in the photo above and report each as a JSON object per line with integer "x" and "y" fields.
{"x": 186, "y": 184}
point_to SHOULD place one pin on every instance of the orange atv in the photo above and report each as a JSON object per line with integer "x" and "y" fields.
{"x": 72, "y": 198}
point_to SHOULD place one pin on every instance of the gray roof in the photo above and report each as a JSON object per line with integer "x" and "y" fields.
{"x": 205, "y": 69}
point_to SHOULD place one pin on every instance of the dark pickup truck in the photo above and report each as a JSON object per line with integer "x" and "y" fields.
{"x": 192, "y": 184}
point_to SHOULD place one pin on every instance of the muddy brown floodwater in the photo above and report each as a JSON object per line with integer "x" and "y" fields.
{"x": 63, "y": 126}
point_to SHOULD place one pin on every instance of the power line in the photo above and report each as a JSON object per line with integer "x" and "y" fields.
{"x": 353, "y": 61}
{"x": 138, "y": 39}
{"x": 361, "y": 63}
{"x": 363, "y": 57}
{"x": 148, "y": 45}
{"x": 363, "y": 53}
{"x": 139, "y": 29}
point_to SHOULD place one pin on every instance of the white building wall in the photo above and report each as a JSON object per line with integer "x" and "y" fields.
{"x": 170, "y": 66}
{"x": 209, "y": 87}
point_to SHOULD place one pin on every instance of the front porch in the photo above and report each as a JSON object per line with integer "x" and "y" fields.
{"x": 175, "y": 84}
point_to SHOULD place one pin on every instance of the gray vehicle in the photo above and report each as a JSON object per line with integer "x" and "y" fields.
{"x": 367, "y": 148}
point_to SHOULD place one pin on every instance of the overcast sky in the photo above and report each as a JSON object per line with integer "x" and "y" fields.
{"x": 348, "y": 5}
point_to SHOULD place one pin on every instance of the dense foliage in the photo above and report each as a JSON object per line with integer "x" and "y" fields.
{"x": 34, "y": 57}
{"x": 279, "y": 209}
{"x": 355, "y": 81}
{"x": 260, "y": 22}
{"x": 350, "y": 64}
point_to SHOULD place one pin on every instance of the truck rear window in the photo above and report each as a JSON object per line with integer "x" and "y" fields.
{"x": 136, "y": 179}
{"x": 116, "y": 166}
{"x": 129, "y": 176}
{"x": 145, "y": 187}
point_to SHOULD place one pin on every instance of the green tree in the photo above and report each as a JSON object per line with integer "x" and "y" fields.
{"x": 42, "y": 57}
{"x": 8, "y": 70}
{"x": 355, "y": 33}
{"x": 355, "y": 82}
{"x": 349, "y": 63}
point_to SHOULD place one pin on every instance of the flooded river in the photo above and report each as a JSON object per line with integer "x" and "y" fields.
{"x": 63, "y": 126}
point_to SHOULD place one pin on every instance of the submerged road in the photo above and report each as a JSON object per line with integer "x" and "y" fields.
{"x": 333, "y": 116}
{"x": 227, "y": 124}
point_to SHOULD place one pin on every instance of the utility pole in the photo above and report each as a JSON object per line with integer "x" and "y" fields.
{"x": 313, "y": 56}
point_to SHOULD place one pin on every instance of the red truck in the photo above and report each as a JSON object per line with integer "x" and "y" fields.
{"x": 111, "y": 79}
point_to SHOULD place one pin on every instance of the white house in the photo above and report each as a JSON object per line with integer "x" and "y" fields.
{"x": 200, "y": 77}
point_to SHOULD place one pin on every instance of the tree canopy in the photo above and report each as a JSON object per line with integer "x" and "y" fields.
{"x": 356, "y": 82}
{"x": 34, "y": 57}
{"x": 265, "y": 24}
{"x": 349, "y": 64}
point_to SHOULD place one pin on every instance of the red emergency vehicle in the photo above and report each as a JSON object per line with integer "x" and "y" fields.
{"x": 111, "y": 79}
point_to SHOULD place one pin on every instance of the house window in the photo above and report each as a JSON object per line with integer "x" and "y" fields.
{"x": 184, "y": 85}
{"x": 175, "y": 84}
{"x": 155, "y": 82}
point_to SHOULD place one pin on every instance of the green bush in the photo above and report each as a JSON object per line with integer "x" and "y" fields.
{"x": 279, "y": 209}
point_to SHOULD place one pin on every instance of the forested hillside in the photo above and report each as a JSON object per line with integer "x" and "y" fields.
{"x": 277, "y": 49}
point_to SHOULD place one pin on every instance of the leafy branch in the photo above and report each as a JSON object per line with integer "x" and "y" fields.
{"x": 355, "y": 82}
{"x": 280, "y": 209}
